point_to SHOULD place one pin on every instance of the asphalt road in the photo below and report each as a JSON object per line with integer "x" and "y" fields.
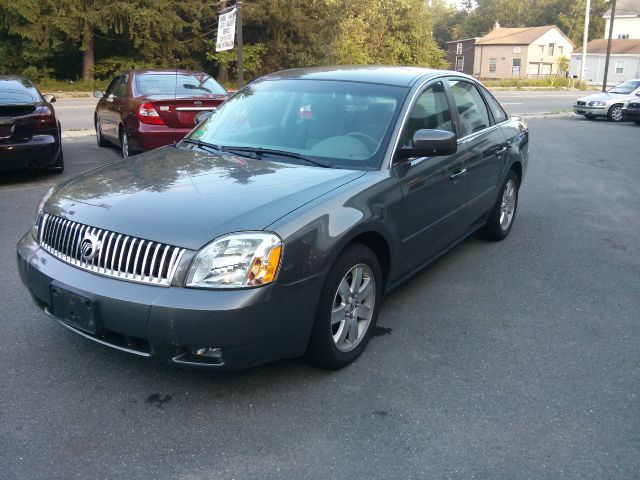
{"x": 508, "y": 360}
{"x": 77, "y": 113}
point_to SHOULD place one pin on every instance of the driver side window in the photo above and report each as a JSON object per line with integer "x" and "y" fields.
{"x": 431, "y": 111}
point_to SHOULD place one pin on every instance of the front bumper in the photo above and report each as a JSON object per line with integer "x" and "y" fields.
{"x": 41, "y": 152}
{"x": 589, "y": 110}
{"x": 250, "y": 326}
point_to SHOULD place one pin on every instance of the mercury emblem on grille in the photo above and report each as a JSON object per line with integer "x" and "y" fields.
{"x": 90, "y": 247}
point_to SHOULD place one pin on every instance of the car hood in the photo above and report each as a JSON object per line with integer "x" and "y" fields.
{"x": 187, "y": 198}
{"x": 605, "y": 97}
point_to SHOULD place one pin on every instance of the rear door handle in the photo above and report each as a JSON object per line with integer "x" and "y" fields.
{"x": 458, "y": 175}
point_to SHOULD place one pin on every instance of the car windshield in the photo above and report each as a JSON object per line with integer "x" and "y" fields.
{"x": 626, "y": 88}
{"x": 178, "y": 84}
{"x": 343, "y": 124}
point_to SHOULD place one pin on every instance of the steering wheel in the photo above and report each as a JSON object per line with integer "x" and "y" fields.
{"x": 370, "y": 142}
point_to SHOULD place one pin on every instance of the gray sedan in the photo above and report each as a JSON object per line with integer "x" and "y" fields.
{"x": 608, "y": 104}
{"x": 277, "y": 225}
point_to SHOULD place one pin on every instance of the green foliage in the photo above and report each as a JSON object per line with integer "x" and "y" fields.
{"x": 251, "y": 58}
{"x": 519, "y": 83}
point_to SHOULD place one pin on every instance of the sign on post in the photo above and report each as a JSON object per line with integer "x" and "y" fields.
{"x": 226, "y": 30}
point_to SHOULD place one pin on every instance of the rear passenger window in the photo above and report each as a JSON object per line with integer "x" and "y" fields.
{"x": 499, "y": 115}
{"x": 472, "y": 111}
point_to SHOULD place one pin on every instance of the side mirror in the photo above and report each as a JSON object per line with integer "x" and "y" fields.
{"x": 49, "y": 98}
{"x": 430, "y": 143}
{"x": 98, "y": 93}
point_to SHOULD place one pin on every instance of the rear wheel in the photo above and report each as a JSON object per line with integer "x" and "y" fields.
{"x": 615, "y": 113}
{"x": 58, "y": 166}
{"x": 124, "y": 143}
{"x": 504, "y": 211}
{"x": 348, "y": 308}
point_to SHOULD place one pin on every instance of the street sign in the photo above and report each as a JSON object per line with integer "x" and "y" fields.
{"x": 226, "y": 30}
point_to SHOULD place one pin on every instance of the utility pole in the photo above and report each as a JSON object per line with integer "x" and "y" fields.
{"x": 239, "y": 48}
{"x": 606, "y": 61}
{"x": 585, "y": 40}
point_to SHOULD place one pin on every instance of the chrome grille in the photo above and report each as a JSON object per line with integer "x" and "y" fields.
{"x": 634, "y": 105}
{"x": 119, "y": 255}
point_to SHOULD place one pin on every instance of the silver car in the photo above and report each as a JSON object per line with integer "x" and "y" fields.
{"x": 608, "y": 104}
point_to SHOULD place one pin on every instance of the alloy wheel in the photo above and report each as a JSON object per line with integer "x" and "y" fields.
{"x": 353, "y": 307}
{"x": 508, "y": 205}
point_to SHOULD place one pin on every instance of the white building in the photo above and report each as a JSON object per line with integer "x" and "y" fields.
{"x": 626, "y": 25}
{"x": 624, "y": 63}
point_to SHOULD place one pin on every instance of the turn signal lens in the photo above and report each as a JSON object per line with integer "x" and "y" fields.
{"x": 147, "y": 114}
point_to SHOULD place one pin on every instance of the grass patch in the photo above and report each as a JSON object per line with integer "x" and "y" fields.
{"x": 49, "y": 85}
{"x": 550, "y": 82}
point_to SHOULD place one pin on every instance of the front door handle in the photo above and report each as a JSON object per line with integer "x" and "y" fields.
{"x": 458, "y": 175}
{"x": 501, "y": 151}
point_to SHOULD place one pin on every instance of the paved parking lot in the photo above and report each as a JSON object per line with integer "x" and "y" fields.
{"x": 517, "y": 359}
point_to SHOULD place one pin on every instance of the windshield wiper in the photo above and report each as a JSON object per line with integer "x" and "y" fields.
{"x": 259, "y": 152}
{"x": 203, "y": 145}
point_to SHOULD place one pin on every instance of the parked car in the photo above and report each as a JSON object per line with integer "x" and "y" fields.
{"x": 608, "y": 104}
{"x": 146, "y": 109}
{"x": 30, "y": 134}
{"x": 631, "y": 109}
{"x": 276, "y": 226}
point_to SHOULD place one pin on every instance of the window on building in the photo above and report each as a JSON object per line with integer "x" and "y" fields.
{"x": 459, "y": 49}
{"x": 459, "y": 64}
{"x": 492, "y": 64}
{"x": 541, "y": 48}
{"x": 515, "y": 68}
{"x": 623, "y": 36}
{"x": 552, "y": 47}
{"x": 620, "y": 66}
{"x": 560, "y": 50}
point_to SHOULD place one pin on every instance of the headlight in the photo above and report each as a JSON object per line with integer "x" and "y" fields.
{"x": 626, "y": 104}
{"x": 43, "y": 200}
{"x": 596, "y": 104}
{"x": 246, "y": 259}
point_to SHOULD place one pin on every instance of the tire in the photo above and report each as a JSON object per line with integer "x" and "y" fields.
{"x": 637, "y": 122}
{"x": 615, "y": 113}
{"x": 124, "y": 143}
{"x": 348, "y": 308}
{"x": 503, "y": 212}
{"x": 99, "y": 138}
{"x": 58, "y": 166}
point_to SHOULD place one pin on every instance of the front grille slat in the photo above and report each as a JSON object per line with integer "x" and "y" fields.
{"x": 119, "y": 255}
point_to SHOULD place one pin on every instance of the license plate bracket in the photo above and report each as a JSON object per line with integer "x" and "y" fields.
{"x": 74, "y": 308}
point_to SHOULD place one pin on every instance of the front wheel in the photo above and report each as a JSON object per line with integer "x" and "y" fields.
{"x": 504, "y": 211}
{"x": 348, "y": 308}
{"x": 637, "y": 122}
{"x": 99, "y": 138}
{"x": 615, "y": 113}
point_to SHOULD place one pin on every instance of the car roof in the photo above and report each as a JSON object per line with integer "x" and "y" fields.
{"x": 380, "y": 74}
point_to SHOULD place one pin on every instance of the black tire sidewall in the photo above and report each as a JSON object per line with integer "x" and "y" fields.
{"x": 322, "y": 349}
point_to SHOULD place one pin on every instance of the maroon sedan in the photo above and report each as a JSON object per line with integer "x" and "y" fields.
{"x": 146, "y": 109}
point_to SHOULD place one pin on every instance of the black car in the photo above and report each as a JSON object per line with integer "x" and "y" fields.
{"x": 29, "y": 130}
{"x": 277, "y": 225}
{"x": 631, "y": 110}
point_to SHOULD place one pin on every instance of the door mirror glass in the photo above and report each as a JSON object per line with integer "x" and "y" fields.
{"x": 430, "y": 143}
{"x": 49, "y": 98}
{"x": 98, "y": 93}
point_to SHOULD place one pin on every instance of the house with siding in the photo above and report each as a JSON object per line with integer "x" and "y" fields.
{"x": 626, "y": 24}
{"x": 624, "y": 63}
{"x": 520, "y": 52}
{"x": 461, "y": 54}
